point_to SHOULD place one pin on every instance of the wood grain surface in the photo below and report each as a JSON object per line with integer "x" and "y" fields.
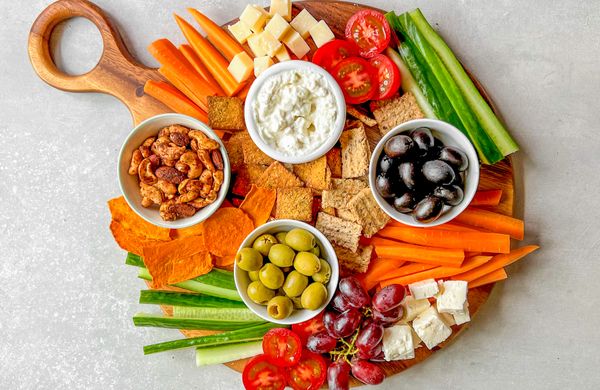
{"x": 119, "y": 74}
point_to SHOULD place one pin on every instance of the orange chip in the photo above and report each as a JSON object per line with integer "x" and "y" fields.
{"x": 258, "y": 204}
{"x": 122, "y": 213}
{"x": 195, "y": 230}
{"x": 225, "y": 230}
{"x": 129, "y": 241}
{"x": 225, "y": 261}
{"x": 188, "y": 268}
{"x": 334, "y": 161}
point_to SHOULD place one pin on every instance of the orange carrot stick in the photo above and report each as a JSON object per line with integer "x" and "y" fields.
{"x": 446, "y": 226}
{"x": 244, "y": 91}
{"x": 468, "y": 241}
{"x": 487, "y": 198}
{"x": 219, "y": 133}
{"x": 438, "y": 272}
{"x": 377, "y": 269}
{"x": 214, "y": 61}
{"x": 418, "y": 254}
{"x": 408, "y": 269}
{"x": 196, "y": 62}
{"x": 175, "y": 100}
{"x": 224, "y": 42}
{"x": 493, "y": 222}
{"x": 497, "y": 262}
{"x": 492, "y": 277}
{"x": 173, "y": 77}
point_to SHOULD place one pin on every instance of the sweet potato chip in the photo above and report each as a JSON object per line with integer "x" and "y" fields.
{"x": 129, "y": 241}
{"x": 195, "y": 230}
{"x": 258, "y": 204}
{"x": 122, "y": 213}
{"x": 225, "y": 261}
{"x": 225, "y": 230}
{"x": 191, "y": 267}
{"x": 334, "y": 161}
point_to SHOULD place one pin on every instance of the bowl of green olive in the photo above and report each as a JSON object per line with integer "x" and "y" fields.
{"x": 286, "y": 271}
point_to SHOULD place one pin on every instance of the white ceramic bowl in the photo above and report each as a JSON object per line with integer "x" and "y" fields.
{"x": 130, "y": 184}
{"x": 251, "y": 123}
{"x": 450, "y": 136}
{"x": 327, "y": 253}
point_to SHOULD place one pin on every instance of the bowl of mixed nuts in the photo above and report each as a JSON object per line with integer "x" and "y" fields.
{"x": 173, "y": 171}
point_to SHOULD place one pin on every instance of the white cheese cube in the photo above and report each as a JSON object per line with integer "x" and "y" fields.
{"x": 282, "y": 54}
{"x": 240, "y": 31}
{"x": 447, "y": 318}
{"x": 454, "y": 296}
{"x": 278, "y": 27}
{"x": 261, "y": 64}
{"x": 398, "y": 343}
{"x": 321, "y": 33}
{"x": 268, "y": 42}
{"x": 416, "y": 339}
{"x": 257, "y": 48}
{"x": 282, "y": 7}
{"x": 413, "y": 307}
{"x": 462, "y": 316}
{"x": 255, "y": 17}
{"x": 430, "y": 328}
{"x": 241, "y": 67}
{"x": 424, "y": 289}
{"x": 303, "y": 22}
{"x": 296, "y": 44}
{"x": 440, "y": 289}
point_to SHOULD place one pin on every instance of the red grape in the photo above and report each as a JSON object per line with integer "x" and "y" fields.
{"x": 321, "y": 342}
{"x": 369, "y": 336}
{"x": 367, "y": 372}
{"x": 388, "y": 317}
{"x": 328, "y": 320}
{"x": 338, "y": 375}
{"x": 340, "y": 303}
{"x": 354, "y": 292}
{"x": 388, "y": 297}
{"x": 372, "y": 354}
{"x": 346, "y": 323}
{"x": 380, "y": 357}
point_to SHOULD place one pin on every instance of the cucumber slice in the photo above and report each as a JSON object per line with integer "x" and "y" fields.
{"x": 216, "y": 314}
{"x": 173, "y": 298}
{"x": 158, "y": 321}
{"x": 227, "y": 353}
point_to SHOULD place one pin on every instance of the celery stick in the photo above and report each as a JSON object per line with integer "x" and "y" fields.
{"x": 135, "y": 260}
{"x": 216, "y": 314}
{"x": 158, "y": 321}
{"x": 227, "y": 353}
{"x": 173, "y": 298}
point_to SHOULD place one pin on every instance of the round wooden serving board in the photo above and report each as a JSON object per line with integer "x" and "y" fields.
{"x": 122, "y": 76}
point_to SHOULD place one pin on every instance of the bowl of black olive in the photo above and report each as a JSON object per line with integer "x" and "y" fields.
{"x": 424, "y": 172}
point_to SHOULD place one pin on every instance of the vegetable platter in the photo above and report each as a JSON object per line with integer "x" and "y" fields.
{"x": 390, "y": 66}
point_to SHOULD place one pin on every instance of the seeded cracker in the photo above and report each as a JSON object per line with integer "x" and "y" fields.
{"x": 368, "y": 214}
{"x": 341, "y": 232}
{"x": 390, "y": 113}
{"x": 226, "y": 113}
{"x": 314, "y": 174}
{"x": 235, "y": 153}
{"x": 277, "y": 176}
{"x": 253, "y": 155}
{"x": 294, "y": 203}
{"x": 355, "y": 152}
{"x": 351, "y": 262}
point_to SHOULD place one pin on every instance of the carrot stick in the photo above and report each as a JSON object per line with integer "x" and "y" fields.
{"x": 408, "y": 269}
{"x": 244, "y": 91}
{"x": 446, "y": 226}
{"x": 497, "y": 262}
{"x": 196, "y": 62}
{"x": 214, "y": 61}
{"x": 492, "y": 277}
{"x": 219, "y": 133}
{"x": 175, "y": 100}
{"x": 468, "y": 241}
{"x": 224, "y": 42}
{"x": 493, "y": 222}
{"x": 487, "y": 198}
{"x": 438, "y": 272}
{"x": 377, "y": 269}
{"x": 171, "y": 75}
{"x": 418, "y": 254}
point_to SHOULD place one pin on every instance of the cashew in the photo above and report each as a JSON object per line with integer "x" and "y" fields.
{"x": 187, "y": 197}
{"x": 170, "y": 210}
{"x": 206, "y": 189}
{"x": 136, "y": 159}
{"x": 202, "y": 140}
{"x": 189, "y": 185}
{"x": 150, "y": 195}
{"x": 146, "y": 173}
{"x": 168, "y": 151}
{"x": 168, "y": 189}
{"x": 204, "y": 157}
{"x": 218, "y": 178}
{"x": 190, "y": 164}
{"x": 206, "y": 177}
{"x": 199, "y": 203}
{"x": 145, "y": 147}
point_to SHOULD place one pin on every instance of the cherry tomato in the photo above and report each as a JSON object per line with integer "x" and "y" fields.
{"x": 370, "y": 31}
{"x": 309, "y": 327}
{"x": 309, "y": 373}
{"x": 259, "y": 374}
{"x": 388, "y": 75}
{"x": 282, "y": 347}
{"x": 331, "y": 53}
{"x": 357, "y": 78}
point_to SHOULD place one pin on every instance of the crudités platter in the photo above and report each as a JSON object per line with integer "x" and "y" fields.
{"x": 119, "y": 74}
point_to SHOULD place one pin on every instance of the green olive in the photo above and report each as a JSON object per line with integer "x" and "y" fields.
{"x": 249, "y": 259}
{"x": 307, "y": 263}
{"x": 259, "y": 293}
{"x": 271, "y": 276}
{"x": 324, "y": 273}
{"x": 281, "y": 237}
{"x": 314, "y": 296}
{"x": 297, "y": 303}
{"x": 280, "y": 307}
{"x": 294, "y": 284}
{"x": 316, "y": 251}
{"x": 300, "y": 240}
{"x": 281, "y": 255}
{"x": 253, "y": 275}
{"x": 264, "y": 243}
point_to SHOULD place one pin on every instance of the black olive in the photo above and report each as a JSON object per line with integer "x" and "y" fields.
{"x": 428, "y": 209}
{"x": 405, "y": 203}
{"x": 451, "y": 195}
{"x": 399, "y": 146}
{"x": 455, "y": 157}
{"x": 438, "y": 172}
{"x": 384, "y": 186}
{"x": 423, "y": 139}
{"x": 386, "y": 163}
{"x": 458, "y": 179}
{"x": 408, "y": 174}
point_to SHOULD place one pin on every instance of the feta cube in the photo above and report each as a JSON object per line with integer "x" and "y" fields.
{"x": 430, "y": 327}
{"x": 241, "y": 67}
{"x": 255, "y": 17}
{"x": 240, "y": 31}
{"x": 424, "y": 289}
{"x": 282, "y": 54}
{"x": 462, "y": 316}
{"x": 413, "y": 307}
{"x": 321, "y": 33}
{"x": 303, "y": 22}
{"x": 416, "y": 339}
{"x": 398, "y": 343}
{"x": 282, "y": 7}
{"x": 296, "y": 44}
{"x": 278, "y": 27}
{"x": 453, "y": 297}
{"x": 261, "y": 64}
{"x": 447, "y": 318}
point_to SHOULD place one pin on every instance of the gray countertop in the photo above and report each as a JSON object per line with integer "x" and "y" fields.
{"x": 66, "y": 298}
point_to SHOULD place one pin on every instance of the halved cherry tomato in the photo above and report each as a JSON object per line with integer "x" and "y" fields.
{"x": 309, "y": 373}
{"x": 309, "y": 327}
{"x": 388, "y": 75}
{"x": 357, "y": 78}
{"x": 331, "y": 53}
{"x": 259, "y": 374}
{"x": 370, "y": 30}
{"x": 282, "y": 347}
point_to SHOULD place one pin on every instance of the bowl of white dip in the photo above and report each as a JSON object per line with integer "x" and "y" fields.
{"x": 295, "y": 112}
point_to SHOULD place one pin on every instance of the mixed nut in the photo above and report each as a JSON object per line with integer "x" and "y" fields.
{"x": 180, "y": 170}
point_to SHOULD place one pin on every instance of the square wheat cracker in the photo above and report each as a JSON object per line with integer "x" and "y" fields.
{"x": 341, "y": 232}
{"x": 364, "y": 118}
{"x": 334, "y": 161}
{"x": 253, "y": 155}
{"x": 368, "y": 213}
{"x": 390, "y": 113}
{"x": 354, "y": 262}
{"x": 226, "y": 113}
{"x": 294, "y": 203}
{"x": 314, "y": 174}
{"x": 355, "y": 152}
{"x": 277, "y": 176}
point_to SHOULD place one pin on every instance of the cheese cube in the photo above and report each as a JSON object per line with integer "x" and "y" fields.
{"x": 257, "y": 49}
{"x": 296, "y": 44}
{"x": 447, "y": 318}
{"x": 255, "y": 17}
{"x": 240, "y": 31}
{"x": 416, "y": 339}
{"x": 454, "y": 296}
{"x": 241, "y": 67}
{"x": 303, "y": 22}
{"x": 413, "y": 307}
{"x": 282, "y": 54}
{"x": 261, "y": 64}
{"x": 321, "y": 33}
{"x": 278, "y": 27}
{"x": 430, "y": 328}
{"x": 282, "y": 7}
{"x": 398, "y": 343}
{"x": 462, "y": 316}
{"x": 424, "y": 289}
{"x": 268, "y": 43}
